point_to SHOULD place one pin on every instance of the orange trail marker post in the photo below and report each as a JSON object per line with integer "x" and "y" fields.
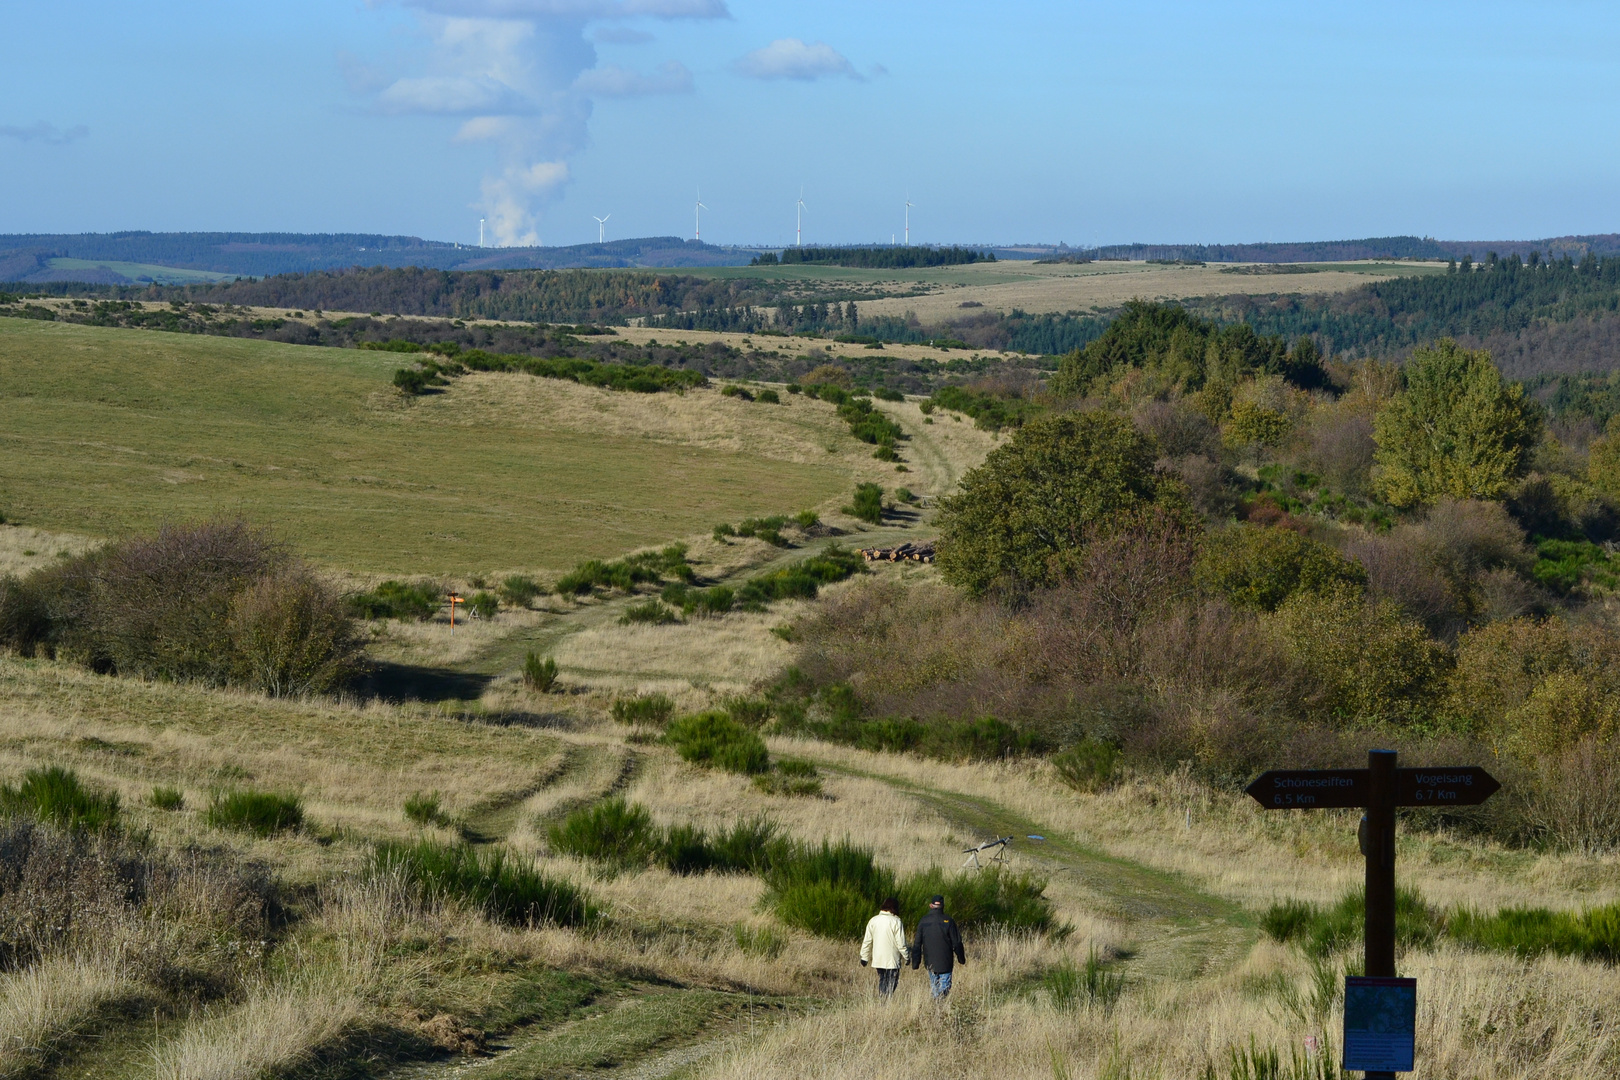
{"x": 1379, "y": 788}
{"x": 454, "y": 600}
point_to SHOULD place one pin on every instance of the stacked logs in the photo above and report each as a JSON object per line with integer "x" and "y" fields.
{"x": 922, "y": 552}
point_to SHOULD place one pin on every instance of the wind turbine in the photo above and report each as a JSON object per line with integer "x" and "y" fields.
{"x": 480, "y": 232}
{"x": 909, "y": 205}
{"x": 697, "y": 217}
{"x": 798, "y": 220}
{"x": 601, "y": 227}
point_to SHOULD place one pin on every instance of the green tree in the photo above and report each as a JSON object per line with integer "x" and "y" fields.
{"x": 1456, "y": 430}
{"x": 1058, "y": 483}
{"x": 1603, "y": 466}
{"x": 1260, "y": 568}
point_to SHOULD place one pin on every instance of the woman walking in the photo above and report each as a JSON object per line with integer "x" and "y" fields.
{"x": 884, "y": 946}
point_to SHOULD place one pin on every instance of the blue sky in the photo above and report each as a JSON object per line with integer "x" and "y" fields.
{"x": 1016, "y": 121}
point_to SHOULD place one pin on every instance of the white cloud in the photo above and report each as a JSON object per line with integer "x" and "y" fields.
{"x": 44, "y": 133}
{"x": 522, "y": 76}
{"x": 613, "y": 81}
{"x": 791, "y": 58}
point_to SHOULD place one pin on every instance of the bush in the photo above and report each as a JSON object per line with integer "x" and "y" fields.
{"x": 1087, "y": 766}
{"x": 483, "y": 605}
{"x": 1259, "y": 568}
{"x": 426, "y": 808}
{"x": 55, "y": 795}
{"x": 612, "y": 831}
{"x": 166, "y": 798}
{"x": 539, "y": 675}
{"x": 649, "y": 612}
{"x": 714, "y": 739}
{"x": 868, "y": 504}
{"x": 793, "y": 778}
{"x": 261, "y": 813}
{"x": 653, "y": 710}
{"x": 801, "y": 580}
{"x": 519, "y": 591}
{"x": 1323, "y": 931}
{"x": 806, "y": 519}
{"x": 1593, "y": 934}
{"x": 292, "y": 635}
{"x": 1060, "y": 483}
{"x": 750, "y": 712}
{"x": 25, "y": 621}
{"x": 705, "y": 602}
{"x": 723, "y": 531}
{"x": 399, "y": 600}
{"x": 504, "y": 887}
{"x": 647, "y": 567}
{"x": 768, "y": 397}
{"x": 883, "y": 393}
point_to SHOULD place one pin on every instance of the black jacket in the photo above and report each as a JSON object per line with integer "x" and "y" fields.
{"x": 938, "y": 944}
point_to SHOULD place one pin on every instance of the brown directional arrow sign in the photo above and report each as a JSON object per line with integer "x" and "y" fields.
{"x": 1326, "y": 789}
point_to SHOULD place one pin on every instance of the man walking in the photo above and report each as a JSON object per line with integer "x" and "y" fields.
{"x": 939, "y": 945}
{"x": 884, "y": 946}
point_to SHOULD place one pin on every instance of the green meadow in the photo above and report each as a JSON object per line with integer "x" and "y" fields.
{"x": 108, "y": 431}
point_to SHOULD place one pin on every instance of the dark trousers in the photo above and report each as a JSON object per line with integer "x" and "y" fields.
{"x": 888, "y": 979}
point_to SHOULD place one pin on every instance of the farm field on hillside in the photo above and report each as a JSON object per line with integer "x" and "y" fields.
{"x": 107, "y": 431}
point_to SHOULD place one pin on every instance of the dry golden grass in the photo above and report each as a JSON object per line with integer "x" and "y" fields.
{"x": 43, "y": 1004}
{"x": 728, "y": 654}
{"x": 277, "y": 1026}
{"x": 23, "y": 548}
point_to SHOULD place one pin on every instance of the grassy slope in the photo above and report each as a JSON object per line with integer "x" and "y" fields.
{"x": 104, "y": 431}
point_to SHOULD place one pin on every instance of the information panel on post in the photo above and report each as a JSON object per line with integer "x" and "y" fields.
{"x": 1380, "y": 1024}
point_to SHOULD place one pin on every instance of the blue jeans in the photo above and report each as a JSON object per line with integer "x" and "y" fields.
{"x": 888, "y": 979}
{"x": 939, "y": 983}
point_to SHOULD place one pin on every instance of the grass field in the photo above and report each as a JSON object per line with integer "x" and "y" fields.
{"x": 163, "y": 275}
{"x": 106, "y": 431}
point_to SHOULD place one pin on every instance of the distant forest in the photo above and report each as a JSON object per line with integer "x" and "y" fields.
{"x": 877, "y": 258}
{"x": 1383, "y": 247}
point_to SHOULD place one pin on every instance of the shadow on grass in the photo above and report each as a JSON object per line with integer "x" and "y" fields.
{"x": 397, "y": 683}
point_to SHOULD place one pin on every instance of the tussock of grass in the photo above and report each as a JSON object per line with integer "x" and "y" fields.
{"x": 539, "y": 674}
{"x": 166, "y": 798}
{"x": 648, "y": 613}
{"x": 504, "y": 887}
{"x": 55, "y": 794}
{"x": 426, "y": 808}
{"x": 261, "y": 813}
{"x": 1593, "y": 934}
{"x": 1091, "y": 986}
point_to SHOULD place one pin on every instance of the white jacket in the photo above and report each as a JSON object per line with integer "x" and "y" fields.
{"x": 885, "y": 943}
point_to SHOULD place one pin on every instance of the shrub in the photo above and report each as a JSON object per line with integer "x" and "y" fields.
{"x": 1323, "y": 931}
{"x": 647, "y": 567}
{"x": 829, "y": 909}
{"x": 828, "y": 375}
{"x": 795, "y": 778}
{"x": 398, "y": 600}
{"x": 519, "y": 590}
{"x": 539, "y": 675}
{"x": 426, "y": 808}
{"x": 166, "y": 798}
{"x": 1087, "y": 766}
{"x": 801, "y": 580}
{"x": 483, "y": 605}
{"x": 768, "y": 397}
{"x": 1058, "y": 484}
{"x": 1259, "y": 568}
{"x": 723, "y": 531}
{"x": 806, "y": 519}
{"x": 612, "y": 831}
{"x": 291, "y": 635}
{"x": 55, "y": 795}
{"x": 261, "y": 813}
{"x": 504, "y": 887}
{"x": 649, "y": 612}
{"x": 714, "y": 739}
{"x": 653, "y": 710}
{"x": 25, "y": 622}
{"x": 883, "y": 393}
{"x": 751, "y": 712}
{"x": 868, "y": 504}
{"x": 1593, "y": 934}
{"x": 988, "y": 897}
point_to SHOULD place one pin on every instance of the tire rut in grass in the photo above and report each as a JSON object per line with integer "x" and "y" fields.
{"x": 493, "y": 820}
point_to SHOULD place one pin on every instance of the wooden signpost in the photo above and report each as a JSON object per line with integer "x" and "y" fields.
{"x": 1379, "y": 789}
{"x": 454, "y": 600}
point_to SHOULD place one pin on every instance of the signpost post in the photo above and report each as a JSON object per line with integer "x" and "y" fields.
{"x": 1379, "y": 789}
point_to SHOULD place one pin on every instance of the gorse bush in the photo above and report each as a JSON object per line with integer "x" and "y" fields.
{"x": 1087, "y": 765}
{"x": 519, "y": 590}
{"x": 55, "y": 795}
{"x": 716, "y": 740}
{"x": 1324, "y": 930}
{"x": 654, "y": 710}
{"x": 791, "y": 778}
{"x": 261, "y": 813}
{"x": 801, "y": 580}
{"x": 1090, "y": 986}
{"x": 648, "y": 613}
{"x": 503, "y": 887}
{"x": 868, "y": 504}
{"x": 612, "y": 831}
{"x": 483, "y": 605}
{"x": 399, "y": 600}
{"x": 1593, "y": 934}
{"x": 539, "y": 674}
